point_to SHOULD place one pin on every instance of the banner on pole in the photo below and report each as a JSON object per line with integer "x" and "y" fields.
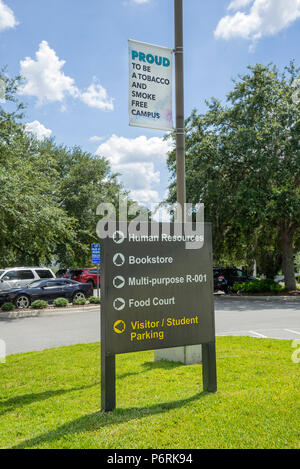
{"x": 150, "y": 86}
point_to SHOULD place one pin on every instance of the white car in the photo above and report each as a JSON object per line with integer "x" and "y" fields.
{"x": 280, "y": 278}
{"x": 22, "y": 276}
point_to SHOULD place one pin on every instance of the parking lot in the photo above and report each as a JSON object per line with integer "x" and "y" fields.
{"x": 277, "y": 319}
{"x": 255, "y": 318}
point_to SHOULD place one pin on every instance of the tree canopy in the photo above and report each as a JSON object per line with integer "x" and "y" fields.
{"x": 49, "y": 193}
{"x": 243, "y": 163}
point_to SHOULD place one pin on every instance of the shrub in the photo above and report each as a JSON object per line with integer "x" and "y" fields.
{"x": 276, "y": 288}
{"x": 80, "y": 302}
{"x": 237, "y": 287}
{"x": 61, "y": 302}
{"x": 258, "y": 286}
{"x": 8, "y": 307}
{"x": 94, "y": 300}
{"x": 39, "y": 304}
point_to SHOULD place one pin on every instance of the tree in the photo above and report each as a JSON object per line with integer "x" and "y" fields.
{"x": 49, "y": 193}
{"x": 32, "y": 222}
{"x": 83, "y": 182}
{"x": 243, "y": 163}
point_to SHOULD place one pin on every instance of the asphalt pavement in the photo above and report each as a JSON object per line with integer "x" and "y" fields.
{"x": 256, "y": 318}
{"x": 276, "y": 319}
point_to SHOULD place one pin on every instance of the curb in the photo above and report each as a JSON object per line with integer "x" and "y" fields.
{"x": 48, "y": 312}
{"x": 260, "y": 298}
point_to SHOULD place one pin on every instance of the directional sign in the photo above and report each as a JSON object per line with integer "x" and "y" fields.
{"x": 96, "y": 257}
{"x": 119, "y": 327}
{"x": 118, "y": 237}
{"x": 118, "y": 259}
{"x": 119, "y": 304}
{"x": 119, "y": 282}
{"x": 160, "y": 290}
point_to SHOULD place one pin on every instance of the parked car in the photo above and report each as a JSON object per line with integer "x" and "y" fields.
{"x": 47, "y": 290}
{"x": 280, "y": 278}
{"x": 220, "y": 283}
{"x": 61, "y": 273}
{"x": 226, "y": 277}
{"x": 22, "y": 276}
{"x": 81, "y": 275}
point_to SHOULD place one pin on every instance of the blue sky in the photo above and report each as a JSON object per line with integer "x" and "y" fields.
{"x": 74, "y": 55}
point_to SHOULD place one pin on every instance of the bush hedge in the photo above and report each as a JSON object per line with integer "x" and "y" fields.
{"x": 258, "y": 286}
{"x": 39, "y": 304}
{"x": 61, "y": 302}
{"x": 94, "y": 300}
{"x": 80, "y": 302}
{"x": 8, "y": 307}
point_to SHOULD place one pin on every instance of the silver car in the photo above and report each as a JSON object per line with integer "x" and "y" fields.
{"x": 22, "y": 276}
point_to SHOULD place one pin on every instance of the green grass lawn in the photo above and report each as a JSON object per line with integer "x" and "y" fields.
{"x": 51, "y": 400}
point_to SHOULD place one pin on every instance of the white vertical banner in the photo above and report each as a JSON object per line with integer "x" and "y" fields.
{"x": 150, "y": 86}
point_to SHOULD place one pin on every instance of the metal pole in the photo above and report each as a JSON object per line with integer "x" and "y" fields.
{"x": 108, "y": 381}
{"x": 209, "y": 367}
{"x": 168, "y": 354}
{"x": 180, "y": 128}
{"x": 108, "y": 362}
{"x": 98, "y": 295}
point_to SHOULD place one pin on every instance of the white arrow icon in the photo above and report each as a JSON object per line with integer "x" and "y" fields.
{"x": 119, "y": 304}
{"x": 119, "y": 282}
{"x": 118, "y": 237}
{"x": 119, "y": 260}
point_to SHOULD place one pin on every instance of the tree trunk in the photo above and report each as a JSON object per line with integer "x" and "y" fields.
{"x": 288, "y": 256}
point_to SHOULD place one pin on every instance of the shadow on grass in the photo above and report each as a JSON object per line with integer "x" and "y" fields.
{"x": 99, "y": 420}
{"x": 148, "y": 366}
{"x": 27, "y": 399}
{"x": 20, "y": 401}
{"x": 162, "y": 364}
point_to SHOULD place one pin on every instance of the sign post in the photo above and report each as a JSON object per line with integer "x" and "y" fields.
{"x": 98, "y": 283}
{"x": 96, "y": 260}
{"x": 184, "y": 355}
{"x": 180, "y": 125}
{"x": 156, "y": 294}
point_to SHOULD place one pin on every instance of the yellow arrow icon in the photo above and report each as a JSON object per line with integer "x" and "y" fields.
{"x": 119, "y": 327}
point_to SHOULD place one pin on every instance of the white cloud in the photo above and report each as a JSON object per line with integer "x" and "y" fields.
{"x": 135, "y": 2}
{"x": 44, "y": 78}
{"x": 95, "y": 138}
{"x": 7, "y": 17}
{"x": 146, "y": 197}
{"x": 125, "y": 150}
{"x": 138, "y": 176}
{"x": 264, "y": 18}
{"x": 96, "y": 96}
{"x": 136, "y": 160}
{"x": 46, "y": 81}
{"x": 38, "y": 129}
{"x": 236, "y": 4}
{"x": 2, "y": 91}
{"x": 140, "y": 2}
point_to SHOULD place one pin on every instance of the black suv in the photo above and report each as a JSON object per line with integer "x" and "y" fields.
{"x": 226, "y": 277}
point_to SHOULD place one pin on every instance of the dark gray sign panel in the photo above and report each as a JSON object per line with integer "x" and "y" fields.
{"x": 155, "y": 293}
